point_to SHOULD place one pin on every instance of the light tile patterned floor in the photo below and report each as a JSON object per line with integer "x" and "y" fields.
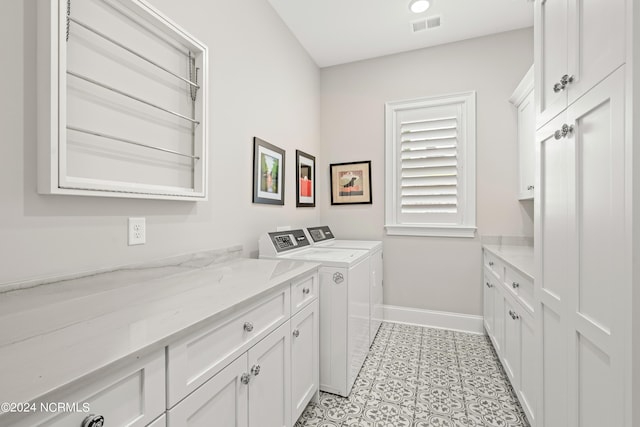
{"x": 419, "y": 377}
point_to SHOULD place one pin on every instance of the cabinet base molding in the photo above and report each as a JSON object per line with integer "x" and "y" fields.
{"x": 434, "y": 319}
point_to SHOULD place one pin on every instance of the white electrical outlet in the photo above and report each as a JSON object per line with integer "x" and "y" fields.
{"x": 137, "y": 231}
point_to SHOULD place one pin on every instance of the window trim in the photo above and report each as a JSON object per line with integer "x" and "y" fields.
{"x": 467, "y": 228}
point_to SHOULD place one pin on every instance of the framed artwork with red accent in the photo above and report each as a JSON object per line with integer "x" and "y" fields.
{"x": 305, "y": 180}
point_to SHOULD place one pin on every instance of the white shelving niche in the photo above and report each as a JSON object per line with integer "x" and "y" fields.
{"x": 122, "y": 102}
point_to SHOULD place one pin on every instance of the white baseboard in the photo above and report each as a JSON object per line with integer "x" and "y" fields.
{"x": 434, "y": 319}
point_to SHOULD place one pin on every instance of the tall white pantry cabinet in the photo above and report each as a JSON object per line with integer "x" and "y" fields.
{"x": 587, "y": 309}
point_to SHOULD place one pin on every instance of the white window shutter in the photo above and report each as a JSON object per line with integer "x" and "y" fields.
{"x": 427, "y": 151}
{"x": 429, "y": 166}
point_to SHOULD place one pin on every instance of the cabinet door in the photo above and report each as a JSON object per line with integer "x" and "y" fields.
{"x": 270, "y": 385}
{"x": 220, "y": 401}
{"x": 488, "y": 310}
{"x": 592, "y": 54}
{"x": 527, "y": 146}
{"x": 305, "y": 368}
{"x": 598, "y": 283}
{"x": 552, "y": 248}
{"x": 550, "y": 54}
{"x": 529, "y": 378}
{"x": 498, "y": 319}
{"x": 511, "y": 353}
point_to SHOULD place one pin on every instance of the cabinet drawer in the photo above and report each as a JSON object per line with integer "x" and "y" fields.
{"x": 493, "y": 264}
{"x": 199, "y": 356}
{"x": 521, "y": 286}
{"x": 303, "y": 292}
{"x": 132, "y": 396}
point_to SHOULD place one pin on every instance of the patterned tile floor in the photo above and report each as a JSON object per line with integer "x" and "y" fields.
{"x": 419, "y": 377}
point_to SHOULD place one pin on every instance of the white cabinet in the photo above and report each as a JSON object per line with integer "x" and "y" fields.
{"x": 518, "y": 357}
{"x": 256, "y": 368}
{"x": 133, "y": 395}
{"x": 223, "y": 400}
{"x": 270, "y": 382}
{"x": 195, "y": 358}
{"x": 510, "y": 324}
{"x": 305, "y": 372}
{"x": 582, "y": 226}
{"x": 488, "y": 304}
{"x": 255, "y": 390}
{"x": 523, "y": 100}
{"x": 571, "y": 52}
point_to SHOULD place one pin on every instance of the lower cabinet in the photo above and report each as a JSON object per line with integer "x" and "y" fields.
{"x": 223, "y": 400}
{"x": 132, "y": 395}
{"x": 510, "y": 326}
{"x": 488, "y": 304}
{"x": 305, "y": 372}
{"x": 518, "y": 357}
{"x": 254, "y": 390}
{"x": 270, "y": 380}
{"x": 267, "y": 386}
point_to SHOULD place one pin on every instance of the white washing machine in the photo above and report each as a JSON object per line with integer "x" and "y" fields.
{"x": 323, "y": 237}
{"x": 344, "y": 304}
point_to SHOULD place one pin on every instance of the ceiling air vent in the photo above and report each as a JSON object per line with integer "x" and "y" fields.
{"x": 419, "y": 25}
{"x": 433, "y": 22}
{"x": 425, "y": 24}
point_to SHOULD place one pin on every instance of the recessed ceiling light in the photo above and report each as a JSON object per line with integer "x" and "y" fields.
{"x": 419, "y": 6}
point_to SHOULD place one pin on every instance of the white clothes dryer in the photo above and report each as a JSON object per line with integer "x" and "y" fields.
{"x": 344, "y": 304}
{"x": 323, "y": 237}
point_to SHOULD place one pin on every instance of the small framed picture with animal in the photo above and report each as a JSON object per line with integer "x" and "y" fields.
{"x": 351, "y": 183}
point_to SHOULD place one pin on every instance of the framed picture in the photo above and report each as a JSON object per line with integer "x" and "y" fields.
{"x": 306, "y": 180}
{"x": 268, "y": 173}
{"x": 351, "y": 183}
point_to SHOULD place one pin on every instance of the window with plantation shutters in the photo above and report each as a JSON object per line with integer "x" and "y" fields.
{"x": 430, "y": 166}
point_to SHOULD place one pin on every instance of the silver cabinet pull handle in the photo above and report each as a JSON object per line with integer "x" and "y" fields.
{"x": 255, "y": 370}
{"x": 305, "y": 291}
{"x": 564, "y": 81}
{"x": 490, "y": 263}
{"x": 515, "y": 285}
{"x": 563, "y": 132}
{"x": 338, "y": 278}
{"x": 530, "y": 187}
{"x": 93, "y": 420}
{"x": 489, "y": 285}
{"x": 296, "y": 333}
{"x": 245, "y": 378}
{"x": 248, "y": 326}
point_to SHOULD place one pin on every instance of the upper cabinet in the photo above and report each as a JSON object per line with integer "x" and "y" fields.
{"x": 523, "y": 100}
{"x": 571, "y": 55}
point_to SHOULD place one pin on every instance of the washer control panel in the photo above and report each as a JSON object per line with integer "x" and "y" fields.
{"x": 287, "y": 240}
{"x": 320, "y": 234}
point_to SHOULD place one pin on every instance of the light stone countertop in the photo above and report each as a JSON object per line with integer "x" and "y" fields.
{"x": 54, "y": 334}
{"x": 518, "y": 257}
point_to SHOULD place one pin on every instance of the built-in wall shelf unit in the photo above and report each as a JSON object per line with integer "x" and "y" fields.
{"x": 122, "y": 102}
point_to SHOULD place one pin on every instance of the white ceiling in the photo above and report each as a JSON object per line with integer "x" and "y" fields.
{"x": 340, "y": 31}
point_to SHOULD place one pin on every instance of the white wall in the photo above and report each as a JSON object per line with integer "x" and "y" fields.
{"x": 263, "y": 84}
{"x": 430, "y": 273}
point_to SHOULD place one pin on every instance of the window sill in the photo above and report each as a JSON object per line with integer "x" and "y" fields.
{"x": 431, "y": 230}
